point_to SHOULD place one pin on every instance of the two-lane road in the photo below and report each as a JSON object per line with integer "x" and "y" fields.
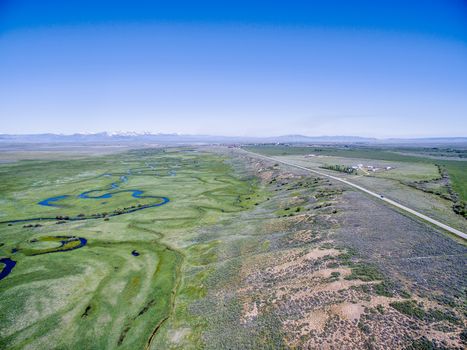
{"x": 371, "y": 193}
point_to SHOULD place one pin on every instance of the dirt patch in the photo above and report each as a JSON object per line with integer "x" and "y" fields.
{"x": 177, "y": 335}
{"x": 347, "y": 311}
{"x": 326, "y": 273}
{"x": 298, "y": 259}
{"x": 250, "y": 311}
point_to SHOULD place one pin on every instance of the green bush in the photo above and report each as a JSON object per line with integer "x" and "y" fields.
{"x": 423, "y": 344}
{"x": 384, "y": 288}
{"x": 438, "y": 315}
{"x": 365, "y": 273}
{"x": 409, "y": 308}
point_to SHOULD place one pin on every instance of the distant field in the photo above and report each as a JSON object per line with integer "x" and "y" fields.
{"x": 457, "y": 169}
{"x": 458, "y": 174}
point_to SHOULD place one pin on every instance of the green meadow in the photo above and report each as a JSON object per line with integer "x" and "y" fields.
{"x": 99, "y": 265}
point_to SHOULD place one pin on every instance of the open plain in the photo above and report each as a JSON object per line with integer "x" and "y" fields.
{"x": 216, "y": 248}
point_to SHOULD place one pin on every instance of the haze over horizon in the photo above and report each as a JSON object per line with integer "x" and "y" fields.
{"x": 268, "y": 138}
{"x": 395, "y": 69}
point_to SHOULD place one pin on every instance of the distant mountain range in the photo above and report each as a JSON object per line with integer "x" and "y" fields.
{"x": 133, "y": 137}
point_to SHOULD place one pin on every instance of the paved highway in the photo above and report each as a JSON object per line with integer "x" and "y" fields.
{"x": 371, "y": 193}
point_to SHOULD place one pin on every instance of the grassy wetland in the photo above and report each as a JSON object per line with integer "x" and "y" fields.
{"x": 210, "y": 248}
{"x": 96, "y": 265}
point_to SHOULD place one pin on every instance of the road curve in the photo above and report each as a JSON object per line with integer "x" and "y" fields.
{"x": 371, "y": 193}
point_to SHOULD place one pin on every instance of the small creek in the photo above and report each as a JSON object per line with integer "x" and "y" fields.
{"x": 9, "y": 264}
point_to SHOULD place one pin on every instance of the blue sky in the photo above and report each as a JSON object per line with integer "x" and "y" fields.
{"x": 368, "y": 68}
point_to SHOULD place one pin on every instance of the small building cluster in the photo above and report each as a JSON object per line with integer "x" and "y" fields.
{"x": 369, "y": 168}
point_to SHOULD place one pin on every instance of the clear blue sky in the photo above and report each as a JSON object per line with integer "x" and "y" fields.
{"x": 368, "y": 68}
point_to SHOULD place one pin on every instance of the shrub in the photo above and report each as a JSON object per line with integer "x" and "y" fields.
{"x": 405, "y": 294}
{"x": 423, "y": 344}
{"x": 438, "y": 315}
{"x": 409, "y": 308}
{"x": 384, "y": 288}
{"x": 463, "y": 336}
{"x": 365, "y": 273}
{"x": 380, "y": 308}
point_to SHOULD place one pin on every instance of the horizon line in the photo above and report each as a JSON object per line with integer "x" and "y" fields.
{"x": 150, "y": 133}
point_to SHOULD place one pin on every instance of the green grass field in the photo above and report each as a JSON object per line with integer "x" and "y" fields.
{"x": 457, "y": 170}
{"x": 118, "y": 288}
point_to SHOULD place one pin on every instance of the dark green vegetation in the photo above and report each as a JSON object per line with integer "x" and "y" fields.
{"x": 424, "y": 344}
{"x": 365, "y": 273}
{"x": 340, "y": 168}
{"x": 413, "y": 309}
{"x": 409, "y": 308}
